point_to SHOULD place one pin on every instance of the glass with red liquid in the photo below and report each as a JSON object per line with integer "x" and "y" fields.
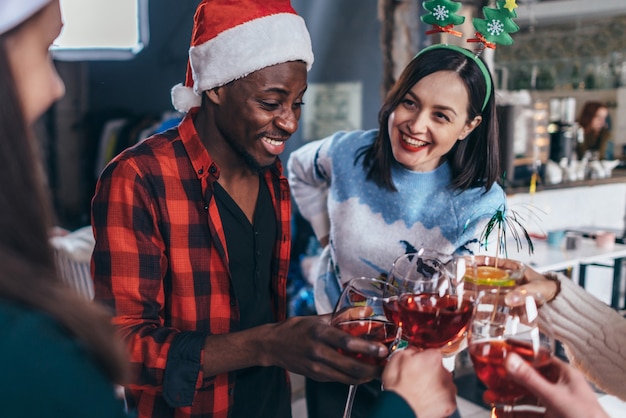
{"x": 495, "y": 332}
{"x": 371, "y": 329}
{"x": 491, "y": 277}
{"x": 432, "y": 320}
{"x": 360, "y": 312}
{"x": 433, "y": 308}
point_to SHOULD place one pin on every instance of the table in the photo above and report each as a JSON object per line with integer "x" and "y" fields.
{"x": 550, "y": 258}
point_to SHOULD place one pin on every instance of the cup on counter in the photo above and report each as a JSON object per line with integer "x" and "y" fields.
{"x": 605, "y": 240}
{"x": 555, "y": 238}
{"x": 572, "y": 240}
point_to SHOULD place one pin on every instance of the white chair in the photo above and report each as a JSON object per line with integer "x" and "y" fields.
{"x": 73, "y": 257}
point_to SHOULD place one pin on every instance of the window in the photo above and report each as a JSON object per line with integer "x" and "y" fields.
{"x": 102, "y": 30}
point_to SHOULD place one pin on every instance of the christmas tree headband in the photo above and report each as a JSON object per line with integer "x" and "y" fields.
{"x": 493, "y": 29}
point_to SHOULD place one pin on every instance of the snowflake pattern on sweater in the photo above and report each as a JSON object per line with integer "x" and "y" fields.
{"x": 369, "y": 227}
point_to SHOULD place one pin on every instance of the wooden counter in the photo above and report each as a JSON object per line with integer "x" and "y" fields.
{"x": 596, "y": 204}
{"x": 618, "y": 176}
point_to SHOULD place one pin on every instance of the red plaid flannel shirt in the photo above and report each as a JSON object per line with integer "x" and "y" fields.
{"x": 161, "y": 264}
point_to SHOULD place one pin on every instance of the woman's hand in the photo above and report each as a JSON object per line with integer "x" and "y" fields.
{"x": 420, "y": 378}
{"x": 570, "y": 396}
{"x": 537, "y": 285}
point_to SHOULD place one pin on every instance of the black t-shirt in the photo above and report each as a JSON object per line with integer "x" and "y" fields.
{"x": 259, "y": 391}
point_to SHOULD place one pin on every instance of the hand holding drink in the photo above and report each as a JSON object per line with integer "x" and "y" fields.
{"x": 568, "y": 396}
{"x": 499, "y": 330}
{"x": 359, "y": 312}
{"x": 370, "y": 329}
{"x": 421, "y": 379}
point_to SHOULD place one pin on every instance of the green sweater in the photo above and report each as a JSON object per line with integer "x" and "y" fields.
{"x": 45, "y": 373}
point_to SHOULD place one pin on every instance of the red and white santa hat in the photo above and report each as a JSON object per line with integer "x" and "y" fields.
{"x": 14, "y": 12}
{"x": 232, "y": 39}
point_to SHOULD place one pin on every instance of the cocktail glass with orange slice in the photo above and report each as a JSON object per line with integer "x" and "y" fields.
{"x": 490, "y": 278}
{"x": 487, "y": 272}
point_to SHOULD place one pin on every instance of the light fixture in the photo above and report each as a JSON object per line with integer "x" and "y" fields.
{"x": 102, "y": 30}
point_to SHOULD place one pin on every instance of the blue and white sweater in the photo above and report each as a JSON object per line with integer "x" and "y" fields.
{"x": 369, "y": 227}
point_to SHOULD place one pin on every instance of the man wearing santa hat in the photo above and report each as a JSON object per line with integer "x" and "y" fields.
{"x": 192, "y": 231}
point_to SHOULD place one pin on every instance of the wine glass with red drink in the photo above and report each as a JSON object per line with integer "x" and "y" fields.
{"x": 360, "y": 312}
{"x": 433, "y": 308}
{"x": 497, "y": 330}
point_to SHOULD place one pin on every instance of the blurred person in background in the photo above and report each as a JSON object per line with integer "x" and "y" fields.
{"x": 594, "y": 121}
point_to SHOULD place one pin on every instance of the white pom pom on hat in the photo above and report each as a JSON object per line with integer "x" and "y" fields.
{"x": 233, "y": 39}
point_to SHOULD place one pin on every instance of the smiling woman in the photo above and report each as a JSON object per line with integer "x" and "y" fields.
{"x": 425, "y": 178}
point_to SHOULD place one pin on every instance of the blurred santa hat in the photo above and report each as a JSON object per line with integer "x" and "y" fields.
{"x": 14, "y": 12}
{"x": 232, "y": 39}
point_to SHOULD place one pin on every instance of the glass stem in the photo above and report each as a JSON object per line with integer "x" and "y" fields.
{"x": 347, "y": 412}
{"x": 502, "y": 411}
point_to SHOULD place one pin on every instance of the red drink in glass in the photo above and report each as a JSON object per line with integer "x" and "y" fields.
{"x": 377, "y": 330}
{"x": 488, "y": 358}
{"x": 431, "y": 321}
{"x": 390, "y": 307}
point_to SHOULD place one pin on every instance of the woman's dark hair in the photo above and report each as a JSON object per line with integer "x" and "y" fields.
{"x": 28, "y": 274}
{"x": 588, "y": 113}
{"x": 474, "y": 161}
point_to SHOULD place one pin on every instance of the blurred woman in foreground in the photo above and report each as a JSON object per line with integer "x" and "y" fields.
{"x": 58, "y": 355}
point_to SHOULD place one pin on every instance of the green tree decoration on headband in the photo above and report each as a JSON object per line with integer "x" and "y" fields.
{"x": 497, "y": 24}
{"x": 442, "y": 16}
